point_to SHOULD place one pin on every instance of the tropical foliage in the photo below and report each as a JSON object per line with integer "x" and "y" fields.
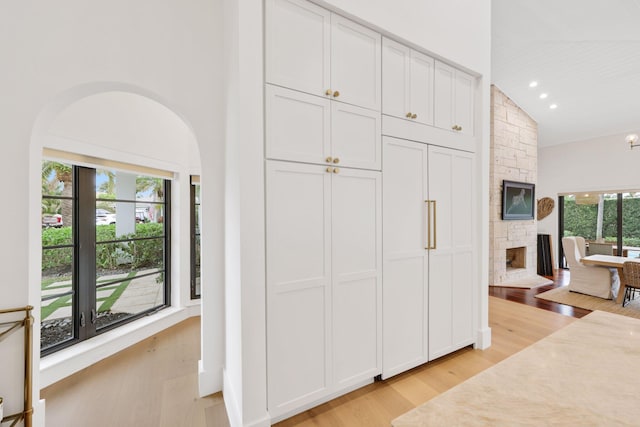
{"x": 580, "y": 220}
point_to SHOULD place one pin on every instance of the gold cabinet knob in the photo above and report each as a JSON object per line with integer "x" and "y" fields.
{"x": 336, "y": 170}
{"x": 336, "y": 160}
{"x": 328, "y": 92}
{"x": 408, "y": 115}
{"x": 329, "y": 159}
{"x": 329, "y": 170}
{"x": 459, "y": 127}
{"x": 414, "y": 116}
{"x": 336, "y": 94}
{"x": 454, "y": 127}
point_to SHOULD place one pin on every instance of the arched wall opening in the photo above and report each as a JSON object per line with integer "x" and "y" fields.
{"x": 126, "y": 125}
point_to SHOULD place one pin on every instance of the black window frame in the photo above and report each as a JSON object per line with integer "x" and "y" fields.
{"x": 195, "y": 227}
{"x": 84, "y": 283}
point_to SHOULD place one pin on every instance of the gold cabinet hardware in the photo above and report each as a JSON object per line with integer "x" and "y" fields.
{"x": 336, "y": 170}
{"x": 336, "y": 94}
{"x": 328, "y": 92}
{"x": 329, "y": 159}
{"x": 435, "y": 226}
{"x": 459, "y": 127}
{"x": 336, "y": 160}
{"x": 408, "y": 115}
{"x": 428, "y": 220}
{"x": 329, "y": 170}
{"x": 414, "y": 116}
{"x": 428, "y": 204}
{"x": 454, "y": 127}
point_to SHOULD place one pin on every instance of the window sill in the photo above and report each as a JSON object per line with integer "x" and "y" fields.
{"x": 63, "y": 363}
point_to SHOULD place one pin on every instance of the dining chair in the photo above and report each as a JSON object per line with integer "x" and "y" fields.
{"x": 602, "y": 282}
{"x": 631, "y": 270}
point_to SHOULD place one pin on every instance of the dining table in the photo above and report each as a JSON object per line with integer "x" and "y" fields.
{"x": 611, "y": 261}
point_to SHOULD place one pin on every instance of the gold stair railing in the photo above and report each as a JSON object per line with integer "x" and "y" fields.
{"x": 11, "y": 326}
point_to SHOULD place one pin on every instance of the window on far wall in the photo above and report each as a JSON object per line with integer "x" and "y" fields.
{"x": 123, "y": 217}
{"x": 195, "y": 237}
{"x": 602, "y": 217}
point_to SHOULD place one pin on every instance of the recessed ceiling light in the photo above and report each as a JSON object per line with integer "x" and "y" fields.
{"x": 533, "y": 84}
{"x": 543, "y": 95}
{"x": 553, "y": 106}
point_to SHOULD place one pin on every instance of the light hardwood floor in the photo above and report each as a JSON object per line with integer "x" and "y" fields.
{"x": 154, "y": 383}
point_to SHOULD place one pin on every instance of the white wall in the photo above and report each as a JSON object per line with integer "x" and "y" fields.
{"x": 599, "y": 164}
{"x": 459, "y": 31}
{"x": 169, "y": 49}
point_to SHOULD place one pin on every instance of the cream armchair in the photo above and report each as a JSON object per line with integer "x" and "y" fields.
{"x": 600, "y": 282}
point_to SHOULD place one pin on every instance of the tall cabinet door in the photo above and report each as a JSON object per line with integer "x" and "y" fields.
{"x": 451, "y": 261}
{"x": 355, "y": 63}
{"x": 406, "y": 263}
{"x": 298, "y": 228}
{"x": 297, "y": 40}
{"x": 357, "y": 275}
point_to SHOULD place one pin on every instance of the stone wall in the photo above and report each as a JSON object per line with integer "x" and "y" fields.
{"x": 514, "y": 157}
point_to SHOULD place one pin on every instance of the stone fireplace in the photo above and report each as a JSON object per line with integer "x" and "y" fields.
{"x": 514, "y": 157}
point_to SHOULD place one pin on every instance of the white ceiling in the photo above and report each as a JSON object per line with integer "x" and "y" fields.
{"x": 584, "y": 53}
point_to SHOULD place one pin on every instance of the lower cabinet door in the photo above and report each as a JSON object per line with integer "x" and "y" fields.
{"x": 357, "y": 275}
{"x": 298, "y": 259}
{"x": 324, "y": 259}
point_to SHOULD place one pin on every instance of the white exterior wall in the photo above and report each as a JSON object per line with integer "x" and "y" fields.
{"x": 599, "y": 164}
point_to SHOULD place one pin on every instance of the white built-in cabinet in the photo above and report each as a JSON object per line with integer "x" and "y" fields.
{"x": 318, "y": 52}
{"x": 332, "y": 89}
{"x": 454, "y": 99}
{"x": 407, "y": 83}
{"x": 324, "y": 281}
{"x": 307, "y": 128}
{"x": 428, "y": 264}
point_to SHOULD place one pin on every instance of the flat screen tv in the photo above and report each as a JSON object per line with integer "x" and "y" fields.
{"x": 518, "y": 200}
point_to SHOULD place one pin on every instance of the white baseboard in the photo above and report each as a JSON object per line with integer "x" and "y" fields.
{"x": 484, "y": 339}
{"x": 209, "y": 382}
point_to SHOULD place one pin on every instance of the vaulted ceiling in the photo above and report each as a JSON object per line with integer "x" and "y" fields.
{"x": 584, "y": 54}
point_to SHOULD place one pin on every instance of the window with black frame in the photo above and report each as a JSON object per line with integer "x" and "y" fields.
{"x": 195, "y": 237}
{"x": 602, "y": 218}
{"x": 123, "y": 215}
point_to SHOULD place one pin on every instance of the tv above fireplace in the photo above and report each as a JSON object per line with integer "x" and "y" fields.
{"x": 518, "y": 200}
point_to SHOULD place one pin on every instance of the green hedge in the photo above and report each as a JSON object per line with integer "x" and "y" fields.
{"x": 136, "y": 254}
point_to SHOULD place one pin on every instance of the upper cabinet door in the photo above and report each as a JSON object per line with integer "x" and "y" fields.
{"x": 464, "y": 90}
{"x": 421, "y": 84}
{"x": 355, "y": 64}
{"x": 297, "y": 125}
{"x": 454, "y": 99}
{"x": 298, "y": 36}
{"x": 355, "y": 136}
{"x": 395, "y": 79}
{"x": 443, "y": 93}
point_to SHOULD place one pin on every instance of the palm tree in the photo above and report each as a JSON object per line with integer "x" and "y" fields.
{"x": 54, "y": 173}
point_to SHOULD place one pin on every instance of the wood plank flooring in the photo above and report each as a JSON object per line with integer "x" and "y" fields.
{"x": 154, "y": 383}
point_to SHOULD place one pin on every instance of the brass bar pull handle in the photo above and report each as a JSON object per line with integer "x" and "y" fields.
{"x": 428, "y": 221}
{"x": 435, "y": 227}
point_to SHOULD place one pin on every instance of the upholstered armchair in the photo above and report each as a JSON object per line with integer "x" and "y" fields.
{"x": 593, "y": 280}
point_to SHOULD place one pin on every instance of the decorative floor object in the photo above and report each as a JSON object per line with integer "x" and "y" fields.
{"x": 525, "y": 283}
{"x": 581, "y": 375}
{"x": 562, "y": 295}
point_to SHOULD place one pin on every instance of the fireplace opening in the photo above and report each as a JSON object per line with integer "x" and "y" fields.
{"x": 516, "y": 258}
